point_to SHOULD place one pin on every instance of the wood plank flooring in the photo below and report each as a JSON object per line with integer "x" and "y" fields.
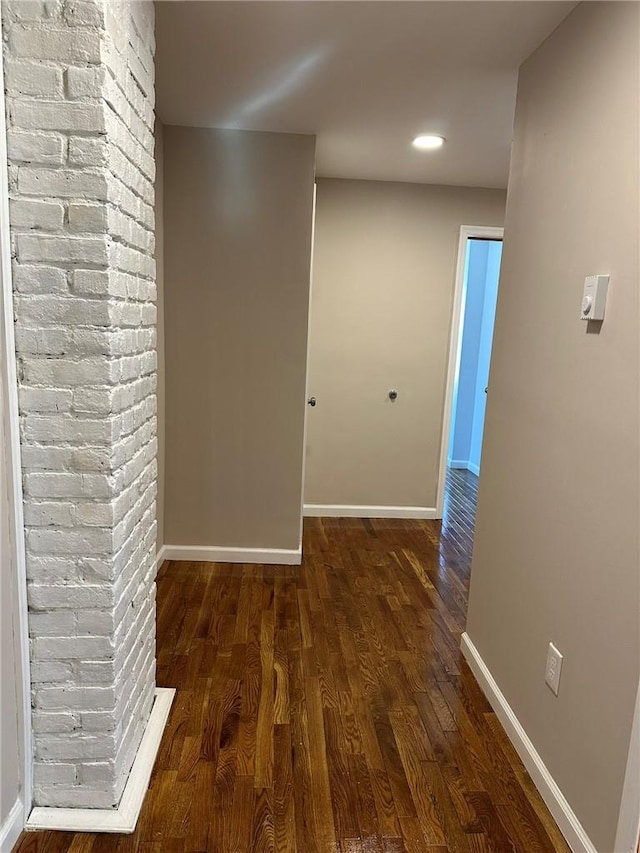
{"x": 327, "y": 708}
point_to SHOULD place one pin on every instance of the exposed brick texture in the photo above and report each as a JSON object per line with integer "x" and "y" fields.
{"x": 80, "y": 98}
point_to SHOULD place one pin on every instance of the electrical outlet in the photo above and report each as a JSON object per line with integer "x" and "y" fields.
{"x": 554, "y": 668}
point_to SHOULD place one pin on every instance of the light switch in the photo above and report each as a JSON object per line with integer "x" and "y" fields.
{"x": 594, "y": 297}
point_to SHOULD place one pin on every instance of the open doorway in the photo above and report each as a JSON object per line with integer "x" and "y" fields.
{"x": 480, "y": 293}
{"x": 478, "y": 270}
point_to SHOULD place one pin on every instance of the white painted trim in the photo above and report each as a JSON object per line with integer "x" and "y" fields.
{"x": 565, "y": 817}
{"x": 461, "y": 464}
{"x": 455, "y": 339}
{"x": 352, "y": 511}
{"x": 628, "y": 834}
{"x": 215, "y": 554}
{"x": 124, "y": 818}
{"x": 9, "y": 382}
{"x": 306, "y": 377}
{"x": 12, "y": 827}
{"x": 464, "y": 465}
{"x": 161, "y": 556}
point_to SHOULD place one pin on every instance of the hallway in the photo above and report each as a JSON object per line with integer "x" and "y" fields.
{"x": 328, "y": 708}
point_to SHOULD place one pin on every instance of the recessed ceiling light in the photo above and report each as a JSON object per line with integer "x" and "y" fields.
{"x": 428, "y": 142}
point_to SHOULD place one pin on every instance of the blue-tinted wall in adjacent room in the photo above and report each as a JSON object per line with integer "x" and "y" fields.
{"x": 481, "y": 291}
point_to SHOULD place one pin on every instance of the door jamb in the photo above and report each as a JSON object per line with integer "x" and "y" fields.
{"x": 9, "y": 390}
{"x": 467, "y": 232}
{"x": 628, "y": 833}
{"x": 306, "y": 379}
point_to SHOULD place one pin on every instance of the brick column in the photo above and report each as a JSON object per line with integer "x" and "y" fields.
{"x": 79, "y": 97}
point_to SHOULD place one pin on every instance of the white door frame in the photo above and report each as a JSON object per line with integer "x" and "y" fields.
{"x": 628, "y": 834}
{"x": 306, "y": 380}
{"x": 9, "y": 390}
{"x": 467, "y": 232}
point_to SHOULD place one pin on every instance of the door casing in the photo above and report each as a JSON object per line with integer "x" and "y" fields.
{"x": 9, "y": 390}
{"x": 467, "y": 232}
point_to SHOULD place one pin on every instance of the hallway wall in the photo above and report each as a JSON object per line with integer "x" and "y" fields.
{"x": 557, "y": 553}
{"x": 383, "y": 282}
{"x": 237, "y": 237}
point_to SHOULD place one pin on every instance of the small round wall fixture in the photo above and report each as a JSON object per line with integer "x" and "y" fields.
{"x": 428, "y": 142}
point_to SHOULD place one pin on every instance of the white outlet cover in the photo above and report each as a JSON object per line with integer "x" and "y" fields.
{"x": 553, "y": 669}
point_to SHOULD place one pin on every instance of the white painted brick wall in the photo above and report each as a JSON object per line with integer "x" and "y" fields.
{"x": 80, "y": 97}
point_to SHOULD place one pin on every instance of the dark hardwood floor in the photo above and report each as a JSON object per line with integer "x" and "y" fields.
{"x": 327, "y": 708}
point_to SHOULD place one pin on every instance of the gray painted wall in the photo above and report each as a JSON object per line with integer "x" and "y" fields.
{"x": 556, "y": 552}
{"x": 383, "y": 281}
{"x": 237, "y": 237}
{"x": 159, "y": 254}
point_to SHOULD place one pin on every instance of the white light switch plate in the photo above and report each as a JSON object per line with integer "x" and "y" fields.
{"x": 554, "y": 668}
{"x": 594, "y": 297}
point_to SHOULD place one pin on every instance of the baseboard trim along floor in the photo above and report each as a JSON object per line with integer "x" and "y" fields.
{"x": 124, "y": 818}
{"x": 565, "y": 817}
{"x": 214, "y": 554}
{"x": 464, "y": 464}
{"x": 352, "y": 511}
{"x": 12, "y": 827}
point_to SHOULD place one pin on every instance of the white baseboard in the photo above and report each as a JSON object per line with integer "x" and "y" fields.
{"x": 124, "y": 818}
{"x": 352, "y": 511}
{"x": 565, "y": 817}
{"x": 464, "y": 464}
{"x": 12, "y": 827}
{"x": 161, "y": 556}
{"x": 213, "y": 554}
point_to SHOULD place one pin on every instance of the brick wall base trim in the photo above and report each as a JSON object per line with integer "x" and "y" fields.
{"x": 216, "y": 554}
{"x": 124, "y": 818}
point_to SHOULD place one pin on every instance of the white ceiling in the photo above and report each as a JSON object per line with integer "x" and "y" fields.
{"x": 366, "y": 77}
